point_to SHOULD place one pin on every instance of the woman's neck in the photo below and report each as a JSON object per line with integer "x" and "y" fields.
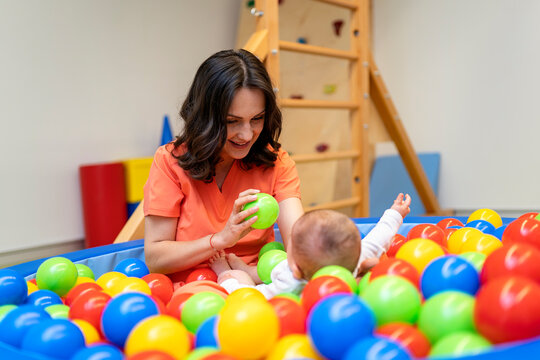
{"x": 222, "y": 169}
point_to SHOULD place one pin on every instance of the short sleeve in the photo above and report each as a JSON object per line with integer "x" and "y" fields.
{"x": 287, "y": 182}
{"x": 162, "y": 191}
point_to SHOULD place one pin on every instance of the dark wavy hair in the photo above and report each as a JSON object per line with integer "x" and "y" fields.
{"x": 205, "y": 112}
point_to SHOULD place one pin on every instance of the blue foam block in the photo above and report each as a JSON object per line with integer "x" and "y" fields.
{"x": 389, "y": 177}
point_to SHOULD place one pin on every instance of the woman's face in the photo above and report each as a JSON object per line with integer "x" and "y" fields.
{"x": 245, "y": 121}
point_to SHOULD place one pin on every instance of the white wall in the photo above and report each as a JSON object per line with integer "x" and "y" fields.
{"x": 465, "y": 77}
{"x": 86, "y": 82}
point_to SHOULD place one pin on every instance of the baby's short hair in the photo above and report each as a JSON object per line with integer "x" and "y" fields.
{"x": 325, "y": 237}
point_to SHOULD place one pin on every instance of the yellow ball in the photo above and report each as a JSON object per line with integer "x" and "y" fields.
{"x": 488, "y": 215}
{"x": 242, "y": 295}
{"x": 419, "y": 252}
{"x": 129, "y": 284}
{"x": 160, "y": 332}
{"x": 484, "y": 244}
{"x": 248, "y": 330}
{"x": 460, "y": 236}
{"x": 83, "y": 279}
{"x": 294, "y": 346}
{"x": 90, "y": 333}
{"x": 31, "y": 287}
{"x": 109, "y": 279}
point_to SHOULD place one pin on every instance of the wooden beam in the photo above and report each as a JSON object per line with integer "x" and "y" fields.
{"x": 341, "y": 3}
{"x": 134, "y": 227}
{"x": 338, "y": 204}
{"x": 258, "y": 44}
{"x": 323, "y": 104}
{"x": 329, "y": 156}
{"x": 317, "y": 50}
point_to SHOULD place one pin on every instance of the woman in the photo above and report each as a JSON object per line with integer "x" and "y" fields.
{"x": 227, "y": 152}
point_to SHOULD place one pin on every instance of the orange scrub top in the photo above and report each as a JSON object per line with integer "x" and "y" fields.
{"x": 202, "y": 209}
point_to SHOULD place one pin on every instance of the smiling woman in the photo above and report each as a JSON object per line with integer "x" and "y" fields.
{"x": 227, "y": 152}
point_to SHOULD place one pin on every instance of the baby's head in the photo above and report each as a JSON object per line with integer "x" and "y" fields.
{"x": 323, "y": 237}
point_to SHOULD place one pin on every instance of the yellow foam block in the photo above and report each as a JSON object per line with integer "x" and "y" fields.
{"x": 136, "y": 173}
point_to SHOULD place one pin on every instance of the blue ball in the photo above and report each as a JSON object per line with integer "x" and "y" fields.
{"x": 18, "y": 321}
{"x": 498, "y": 233}
{"x": 449, "y": 272}
{"x": 482, "y": 225}
{"x": 123, "y": 312}
{"x": 132, "y": 267}
{"x": 374, "y": 348}
{"x": 57, "y": 338}
{"x": 99, "y": 352}
{"x": 13, "y": 287}
{"x": 337, "y": 322}
{"x": 206, "y": 333}
{"x": 43, "y": 298}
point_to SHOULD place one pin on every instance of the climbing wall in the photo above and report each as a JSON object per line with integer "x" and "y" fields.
{"x": 315, "y": 78}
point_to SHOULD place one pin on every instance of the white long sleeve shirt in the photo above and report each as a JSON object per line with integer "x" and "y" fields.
{"x": 376, "y": 242}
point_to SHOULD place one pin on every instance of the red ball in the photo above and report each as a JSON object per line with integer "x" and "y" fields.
{"x": 507, "y": 309}
{"x": 529, "y": 215}
{"x": 321, "y": 287}
{"x": 519, "y": 259}
{"x": 151, "y": 355}
{"x": 202, "y": 274}
{"x": 89, "y": 306}
{"x": 445, "y": 223}
{"x": 291, "y": 315}
{"x": 408, "y": 336}
{"x": 522, "y": 230}
{"x": 396, "y": 243}
{"x": 79, "y": 290}
{"x": 397, "y": 267}
{"x": 428, "y": 231}
{"x": 218, "y": 356}
{"x": 160, "y": 285}
{"x": 174, "y": 307}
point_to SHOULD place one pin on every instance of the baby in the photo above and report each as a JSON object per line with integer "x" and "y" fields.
{"x": 319, "y": 238}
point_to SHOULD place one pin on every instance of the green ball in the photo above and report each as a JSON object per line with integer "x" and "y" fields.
{"x": 392, "y": 299}
{"x": 475, "y": 258}
{"x": 363, "y": 283}
{"x": 340, "y": 272}
{"x": 4, "y": 309}
{"x": 58, "y": 311}
{"x": 460, "y": 343}
{"x": 199, "y": 307}
{"x": 445, "y": 313}
{"x": 268, "y": 211}
{"x": 85, "y": 271}
{"x": 57, "y": 274}
{"x": 201, "y": 352}
{"x": 267, "y": 262}
{"x": 289, "y": 295}
{"x": 273, "y": 245}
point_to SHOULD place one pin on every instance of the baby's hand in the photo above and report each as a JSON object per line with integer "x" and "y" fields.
{"x": 401, "y": 205}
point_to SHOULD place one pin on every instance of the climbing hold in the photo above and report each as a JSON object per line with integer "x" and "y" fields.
{"x": 329, "y": 88}
{"x": 301, "y": 40}
{"x": 297, "y": 96}
{"x": 322, "y": 147}
{"x": 337, "y": 27}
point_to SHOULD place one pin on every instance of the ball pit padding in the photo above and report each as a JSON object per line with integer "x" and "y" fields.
{"x": 389, "y": 177}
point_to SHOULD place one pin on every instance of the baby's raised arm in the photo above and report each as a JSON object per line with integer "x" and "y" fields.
{"x": 401, "y": 204}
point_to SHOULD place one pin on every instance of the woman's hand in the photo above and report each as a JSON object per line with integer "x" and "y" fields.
{"x": 236, "y": 228}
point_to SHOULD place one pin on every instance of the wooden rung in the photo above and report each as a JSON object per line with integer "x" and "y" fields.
{"x": 332, "y": 205}
{"x": 338, "y": 155}
{"x": 317, "y": 50}
{"x": 301, "y": 103}
{"x": 258, "y": 44}
{"x": 341, "y": 3}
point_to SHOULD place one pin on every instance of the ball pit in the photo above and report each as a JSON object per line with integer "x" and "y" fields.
{"x": 481, "y": 325}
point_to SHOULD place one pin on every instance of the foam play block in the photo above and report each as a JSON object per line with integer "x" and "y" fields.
{"x": 390, "y": 177}
{"x": 136, "y": 174}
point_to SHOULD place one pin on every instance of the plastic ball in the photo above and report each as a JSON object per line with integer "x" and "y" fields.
{"x": 407, "y": 336}
{"x": 484, "y": 244}
{"x": 248, "y": 330}
{"x": 461, "y": 343}
{"x": 161, "y": 286}
{"x": 291, "y": 315}
{"x": 428, "y": 231}
{"x": 340, "y": 272}
{"x": 13, "y": 287}
{"x": 175, "y": 305}
{"x": 523, "y": 230}
{"x": 337, "y": 322}
{"x": 58, "y": 311}
{"x": 320, "y": 288}
{"x": 268, "y": 211}
{"x": 458, "y": 237}
{"x": 419, "y": 252}
{"x": 392, "y": 299}
{"x": 4, "y": 309}
{"x": 80, "y": 289}
{"x": 206, "y": 333}
{"x": 151, "y": 355}
{"x": 84, "y": 271}
{"x": 482, "y": 225}
{"x": 449, "y": 273}
{"x": 201, "y": 353}
{"x": 445, "y": 313}
{"x": 364, "y": 282}
{"x": 397, "y": 241}
{"x": 56, "y": 338}
{"x": 132, "y": 267}
{"x": 89, "y": 306}
{"x": 446, "y": 222}
{"x": 475, "y": 258}
{"x": 43, "y": 298}
{"x": 507, "y": 309}
{"x": 123, "y": 312}
{"x": 109, "y": 279}
{"x": 200, "y": 307}
{"x": 202, "y": 274}
{"x": 91, "y": 335}
{"x": 31, "y": 287}
{"x": 488, "y": 215}
{"x": 272, "y": 245}
{"x": 130, "y": 284}
{"x": 268, "y": 262}
{"x": 519, "y": 259}
{"x": 99, "y": 352}
{"x": 498, "y": 233}
{"x": 397, "y": 267}
{"x": 57, "y": 274}
{"x": 291, "y": 347}
{"x": 17, "y": 322}
{"x": 374, "y": 347}
{"x": 290, "y": 295}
